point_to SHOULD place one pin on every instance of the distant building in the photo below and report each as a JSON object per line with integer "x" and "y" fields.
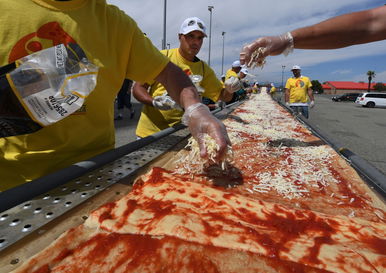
{"x": 346, "y": 87}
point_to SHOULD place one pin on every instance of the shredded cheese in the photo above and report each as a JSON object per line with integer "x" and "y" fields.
{"x": 193, "y": 163}
{"x": 254, "y": 57}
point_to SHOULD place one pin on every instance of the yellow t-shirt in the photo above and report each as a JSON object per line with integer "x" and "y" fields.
{"x": 111, "y": 40}
{"x": 153, "y": 120}
{"x": 230, "y": 73}
{"x": 273, "y": 89}
{"x": 298, "y": 88}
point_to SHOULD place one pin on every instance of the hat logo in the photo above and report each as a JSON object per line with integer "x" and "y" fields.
{"x": 193, "y": 22}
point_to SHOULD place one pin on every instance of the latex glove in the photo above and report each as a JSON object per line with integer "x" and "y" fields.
{"x": 165, "y": 102}
{"x": 196, "y": 80}
{"x": 221, "y": 104}
{"x": 232, "y": 84}
{"x": 255, "y": 52}
{"x": 200, "y": 122}
{"x": 244, "y": 83}
{"x": 312, "y": 104}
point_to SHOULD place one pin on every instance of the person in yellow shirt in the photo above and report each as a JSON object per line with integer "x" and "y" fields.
{"x": 160, "y": 111}
{"x": 112, "y": 41}
{"x": 256, "y": 88}
{"x": 272, "y": 91}
{"x": 234, "y": 70}
{"x": 297, "y": 91}
{"x": 232, "y": 77}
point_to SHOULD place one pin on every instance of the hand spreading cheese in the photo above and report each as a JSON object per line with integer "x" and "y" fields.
{"x": 193, "y": 163}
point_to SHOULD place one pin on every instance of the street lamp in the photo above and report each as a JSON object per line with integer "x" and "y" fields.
{"x": 222, "y": 59}
{"x": 164, "y": 34}
{"x": 282, "y": 77}
{"x": 210, "y": 31}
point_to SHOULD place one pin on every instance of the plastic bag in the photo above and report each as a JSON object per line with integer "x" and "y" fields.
{"x": 45, "y": 87}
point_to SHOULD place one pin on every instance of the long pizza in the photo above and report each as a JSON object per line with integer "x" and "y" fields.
{"x": 285, "y": 202}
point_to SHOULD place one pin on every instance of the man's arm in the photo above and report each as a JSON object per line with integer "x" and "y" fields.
{"x": 337, "y": 32}
{"x": 179, "y": 86}
{"x": 141, "y": 94}
{"x": 310, "y": 94}
{"x": 344, "y": 30}
{"x": 197, "y": 116}
{"x": 225, "y": 95}
{"x": 286, "y": 95}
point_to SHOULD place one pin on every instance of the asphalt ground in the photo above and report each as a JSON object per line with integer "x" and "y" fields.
{"x": 125, "y": 128}
{"x": 361, "y": 130}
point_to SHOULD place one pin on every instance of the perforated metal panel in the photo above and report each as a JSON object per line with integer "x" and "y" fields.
{"x": 21, "y": 220}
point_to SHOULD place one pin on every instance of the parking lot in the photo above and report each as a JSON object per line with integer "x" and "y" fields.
{"x": 361, "y": 130}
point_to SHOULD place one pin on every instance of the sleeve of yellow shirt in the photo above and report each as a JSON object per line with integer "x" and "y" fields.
{"x": 145, "y": 60}
{"x": 211, "y": 84}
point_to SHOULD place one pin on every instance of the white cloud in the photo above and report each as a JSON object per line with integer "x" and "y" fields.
{"x": 342, "y": 71}
{"x": 379, "y": 77}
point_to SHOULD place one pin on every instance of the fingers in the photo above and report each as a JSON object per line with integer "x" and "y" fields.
{"x": 232, "y": 84}
{"x": 219, "y": 134}
{"x": 202, "y": 122}
{"x": 247, "y": 50}
{"x": 254, "y": 53}
{"x": 201, "y": 144}
{"x": 245, "y": 56}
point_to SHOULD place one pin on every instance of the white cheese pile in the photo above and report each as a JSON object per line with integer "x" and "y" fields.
{"x": 300, "y": 169}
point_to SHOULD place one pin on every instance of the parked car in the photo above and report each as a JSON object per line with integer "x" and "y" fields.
{"x": 372, "y": 99}
{"x": 346, "y": 97}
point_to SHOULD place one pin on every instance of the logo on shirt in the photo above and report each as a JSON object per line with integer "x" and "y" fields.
{"x": 188, "y": 71}
{"x": 299, "y": 83}
{"x": 48, "y": 35}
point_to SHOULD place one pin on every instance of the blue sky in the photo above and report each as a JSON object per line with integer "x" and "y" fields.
{"x": 246, "y": 20}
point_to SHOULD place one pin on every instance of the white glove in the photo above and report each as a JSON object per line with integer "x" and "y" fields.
{"x": 232, "y": 84}
{"x": 287, "y": 104}
{"x": 196, "y": 80}
{"x": 221, "y": 104}
{"x": 312, "y": 104}
{"x": 201, "y": 122}
{"x": 165, "y": 102}
{"x": 255, "y": 52}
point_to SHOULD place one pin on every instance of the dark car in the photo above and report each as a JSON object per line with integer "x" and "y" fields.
{"x": 346, "y": 97}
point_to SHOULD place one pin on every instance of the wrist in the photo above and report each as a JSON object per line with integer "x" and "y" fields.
{"x": 190, "y": 110}
{"x": 290, "y": 43}
{"x": 188, "y": 97}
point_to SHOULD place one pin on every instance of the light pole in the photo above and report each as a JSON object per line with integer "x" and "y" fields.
{"x": 282, "y": 77}
{"x": 164, "y": 35}
{"x": 222, "y": 59}
{"x": 210, "y": 31}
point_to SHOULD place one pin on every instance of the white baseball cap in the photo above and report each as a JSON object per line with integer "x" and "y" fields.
{"x": 191, "y": 24}
{"x": 244, "y": 70}
{"x": 296, "y": 67}
{"x": 236, "y": 64}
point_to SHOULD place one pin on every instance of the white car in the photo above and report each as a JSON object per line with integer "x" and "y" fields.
{"x": 372, "y": 99}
